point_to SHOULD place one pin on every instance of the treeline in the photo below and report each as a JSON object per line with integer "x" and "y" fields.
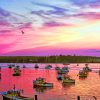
{"x": 49, "y": 59}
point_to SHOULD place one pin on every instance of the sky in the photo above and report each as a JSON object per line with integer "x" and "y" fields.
{"x": 49, "y": 27}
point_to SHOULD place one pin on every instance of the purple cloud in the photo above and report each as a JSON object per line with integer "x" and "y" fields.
{"x": 25, "y": 25}
{"x": 53, "y": 10}
{"x": 4, "y": 23}
{"x": 45, "y": 51}
{"x": 4, "y": 13}
{"x": 92, "y": 50}
{"x": 88, "y": 15}
{"x": 84, "y": 2}
{"x": 55, "y": 24}
{"x": 43, "y": 14}
{"x": 50, "y": 6}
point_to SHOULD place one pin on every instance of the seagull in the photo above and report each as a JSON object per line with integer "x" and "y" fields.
{"x": 22, "y": 32}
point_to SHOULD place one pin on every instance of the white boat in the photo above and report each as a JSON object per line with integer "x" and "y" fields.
{"x": 40, "y": 82}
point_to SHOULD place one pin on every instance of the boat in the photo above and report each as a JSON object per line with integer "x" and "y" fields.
{"x": 48, "y": 67}
{"x": 24, "y": 66}
{"x": 57, "y": 68}
{"x": 36, "y": 66}
{"x": 87, "y": 69}
{"x": 59, "y": 77}
{"x": 67, "y": 79}
{"x": 17, "y": 71}
{"x": 82, "y": 74}
{"x": 77, "y": 65}
{"x": 62, "y": 71}
{"x": 40, "y": 82}
{"x": 14, "y": 95}
{"x": 11, "y": 65}
{"x": 65, "y": 69}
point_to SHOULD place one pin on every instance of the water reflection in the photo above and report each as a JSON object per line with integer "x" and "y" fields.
{"x": 67, "y": 85}
{"x": 25, "y": 81}
{"x": 42, "y": 89}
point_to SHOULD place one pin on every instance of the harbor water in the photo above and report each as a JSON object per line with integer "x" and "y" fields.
{"x": 86, "y": 88}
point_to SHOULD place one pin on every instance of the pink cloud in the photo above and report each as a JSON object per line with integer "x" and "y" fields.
{"x": 26, "y": 26}
{"x": 5, "y": 31}
{"x": 4, "y": 23}
{"x": 88, "y": 15}
{"x": 51, "y": 50}
{"x": 95, "y": 5}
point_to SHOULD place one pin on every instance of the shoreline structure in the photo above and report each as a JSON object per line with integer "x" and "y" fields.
{"x": 49, "y": 59}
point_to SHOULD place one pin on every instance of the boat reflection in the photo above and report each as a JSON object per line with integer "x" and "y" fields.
{"x": 67, "y": 85}
{"x": 42, "y": 89}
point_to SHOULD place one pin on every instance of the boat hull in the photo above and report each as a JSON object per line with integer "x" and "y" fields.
{"x": 82, "y": 76}
{"x": 16, "y": 74}
{"x": 16, "y": 98}
{"x": 59, "y": 77}
{"x": 68, "y": 81}
{"x": 44, "y": 85}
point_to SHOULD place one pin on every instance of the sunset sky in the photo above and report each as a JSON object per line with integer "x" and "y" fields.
{"x": 51, "y": 27}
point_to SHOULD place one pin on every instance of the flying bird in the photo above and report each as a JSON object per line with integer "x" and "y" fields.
{"x": 22, "y": 32}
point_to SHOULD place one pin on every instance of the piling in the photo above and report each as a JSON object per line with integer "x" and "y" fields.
{"x": 94, "y": 97}
{"x": 78, "y": 97}
{"x": 36, "y": 97}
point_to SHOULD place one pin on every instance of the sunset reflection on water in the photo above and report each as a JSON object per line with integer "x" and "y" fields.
{"x": 87, "y": 86}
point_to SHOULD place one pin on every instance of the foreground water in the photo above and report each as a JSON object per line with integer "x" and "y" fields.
{"x": 85, "y": 87}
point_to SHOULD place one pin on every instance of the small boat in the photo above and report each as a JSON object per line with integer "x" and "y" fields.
{"x": 36, "y": 66}
{"x": 24, "y": 66}
{"x": 87, "y": 69}
{"x": 14, "y": 95}
{"x": 65, "y": 69}
{"x": 82, "y": 74}
{"x": 40, "y": 82}
{"x": 48, "y": 67}
{"x": 57, "y": 68}
{"x": 11, "y": 65}
{"x": 59, "y": 77}
{"x": 17, "y": 71}
{"x": 67, "y": 79}
{"x": 77, "y": 65}
{"x": 62, "y": 71}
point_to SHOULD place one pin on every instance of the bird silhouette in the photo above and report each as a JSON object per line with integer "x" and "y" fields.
{"x": 22, "y": 32}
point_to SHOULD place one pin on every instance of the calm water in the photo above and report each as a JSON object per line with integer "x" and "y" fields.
{"x": 89, "y": 86}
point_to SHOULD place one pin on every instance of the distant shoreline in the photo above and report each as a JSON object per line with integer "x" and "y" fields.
{"x": 49, "y": 59}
